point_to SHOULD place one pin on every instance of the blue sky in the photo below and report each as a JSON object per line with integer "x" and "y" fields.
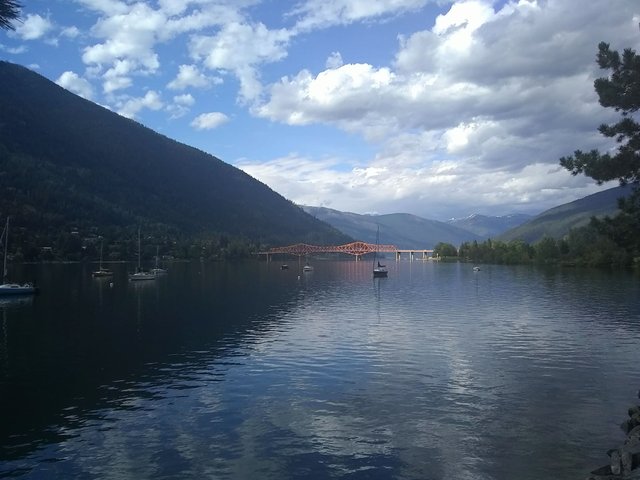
{"x": 437, "y": 108}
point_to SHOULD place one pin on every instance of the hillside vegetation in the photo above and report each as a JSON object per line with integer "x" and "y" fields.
{"x": 71, "y": 167}
{"x": 557, "y": 222}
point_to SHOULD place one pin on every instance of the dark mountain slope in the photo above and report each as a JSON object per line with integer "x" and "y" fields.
{"x": 66, "y": 161}
{"x": 556, "y": 222}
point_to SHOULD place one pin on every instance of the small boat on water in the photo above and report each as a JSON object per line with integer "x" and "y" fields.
{"x": 379, "y": 270}
{"x": 476, "y": 269}
{"x": 140, "y": 274}
{"x": 18, "y": 289}
{"x": 7, "y": 287}
{"x": 137, "y": 276}
{"x": 157, "y": 270}
{"x": 102, "y": 272}
{"x": 307, "y": 268}
{"x": 284, "y": 267}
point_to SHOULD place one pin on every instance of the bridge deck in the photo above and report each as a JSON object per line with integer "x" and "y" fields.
{"x": 355, "y": 248}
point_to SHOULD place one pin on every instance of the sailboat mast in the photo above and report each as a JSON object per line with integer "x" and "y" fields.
{"x": 6, "y": 248}
{"x": 101, "y": 242}
{"x": 138, "y": 248}
{"x": 375, "y": 252}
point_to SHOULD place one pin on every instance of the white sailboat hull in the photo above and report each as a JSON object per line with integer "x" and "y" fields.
{"x": 16, "y": 289}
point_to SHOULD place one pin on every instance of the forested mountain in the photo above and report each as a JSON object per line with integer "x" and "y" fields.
{"x": 400, "y": 229}
{"x": 68, "y": 165}
{"x": 558, "y": 221}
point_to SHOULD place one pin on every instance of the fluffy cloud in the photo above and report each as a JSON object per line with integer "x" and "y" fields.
{"x": 181, "y": 105}
{"x": 132, "y": 106}
{"x": 240, "y": 48}
{"x": 70, "y": 32}
{"x": 33, "y": 27}
{"x": 129, "y": 40}
{"x": 14, "y": 50}
{"x": 435, "y": 190}
{"x": 76, "y": 84}
{"x": 316, "y": 14}
{"x": 190, "y": 76}
{"x": 484, "y": 103}
{"x": 351, "y": 95}
{"x": 209, "y": 121}
{"x": 186, "y": 99}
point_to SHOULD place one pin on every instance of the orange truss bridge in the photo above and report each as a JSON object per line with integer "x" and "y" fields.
{"x": 355, "y": 248}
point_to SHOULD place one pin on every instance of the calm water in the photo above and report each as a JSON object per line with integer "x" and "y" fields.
{"x": 244, "y": 371}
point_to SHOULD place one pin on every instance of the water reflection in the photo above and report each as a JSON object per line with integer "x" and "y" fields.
{"x": 246, "y": 371}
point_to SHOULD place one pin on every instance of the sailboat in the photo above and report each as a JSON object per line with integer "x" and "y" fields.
{"x": 10, "y": 288}
{"x": 140, "y": 274}
{"x": 102, "y": 272}
{"x": 378, "y": 269}
{"x": 157, "y": 270}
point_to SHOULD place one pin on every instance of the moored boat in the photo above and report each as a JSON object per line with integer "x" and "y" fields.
{"x": 140, "y": 274}
{"x": 7, "y": 287}
{"x": 157, "y": 270}
{"x": 102, "y": 272}
{"x": 379, "y": 270}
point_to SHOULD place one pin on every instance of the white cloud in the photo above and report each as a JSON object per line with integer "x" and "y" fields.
{"x": 316, "y": 14}
{"x": 240, "y": 48}
{"x": 128, "y": 47}
{"x": 209, "y": 121}
{"x": 190, "y": 76}
{"x": 70, "y": 32}
{"x": 76, "y": 84}
{"x": 115, "y": 83}
{"x": 14, "y": 50}
{"x": 347, "y": 95}
{"x": 435, "y": 190}
{"x": 33, "y": 27}
{"x": 334, "y": 60}
{"x": 107, "y": 7}
{"x": 181, "y": 105}
{"x": 186, "y": 99}
{"x": 483, "y": 104}
{"x": 132, "y": 106}
{"x": 129, "y": 34}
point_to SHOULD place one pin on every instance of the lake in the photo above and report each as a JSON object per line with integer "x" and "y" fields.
{"x": 246, "y": 371}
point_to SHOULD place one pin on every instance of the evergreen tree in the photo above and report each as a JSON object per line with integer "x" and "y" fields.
{"x": 621, "y": 91}
{"x": 445, "y": 250}
{"x": 9, "y": 11}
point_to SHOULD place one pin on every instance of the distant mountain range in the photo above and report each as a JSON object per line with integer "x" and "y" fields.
{"x": 68, "y": 164}
{"x": 556, "y": 222}
{"x": 400, "y": 229}
{"x": 409, "y": 231}
{"x": 489, "y": 227}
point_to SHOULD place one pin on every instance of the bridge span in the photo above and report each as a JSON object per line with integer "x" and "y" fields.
{"x": 356, "y": 249}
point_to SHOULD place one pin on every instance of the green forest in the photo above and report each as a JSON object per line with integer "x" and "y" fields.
{"x": 608, "y": 242}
